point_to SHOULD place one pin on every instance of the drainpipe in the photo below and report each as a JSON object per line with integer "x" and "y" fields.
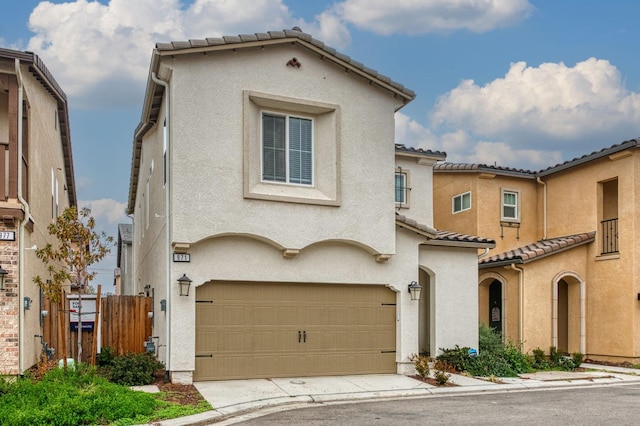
{"x": 23, "y": 224}
{"x": 486, "y": 251}
{"x": 165, "y": 84}
{"x": 544, "y": 207}
{"x": 133, "y": 255}
{"x": 520, "y": 299}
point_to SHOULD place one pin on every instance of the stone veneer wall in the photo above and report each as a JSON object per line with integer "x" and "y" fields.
{"x": 9, "y": 305}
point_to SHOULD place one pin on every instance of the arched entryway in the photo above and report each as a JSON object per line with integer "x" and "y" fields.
{"x": 569, "y": 320}
{"x": 491, "y": 302}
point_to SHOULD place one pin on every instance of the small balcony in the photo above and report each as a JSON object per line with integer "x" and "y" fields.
{"x": 609, "y": 236}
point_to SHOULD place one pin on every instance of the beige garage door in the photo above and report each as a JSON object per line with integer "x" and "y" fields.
{"x": 252, "y": 330}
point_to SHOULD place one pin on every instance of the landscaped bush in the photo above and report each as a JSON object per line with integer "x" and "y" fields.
{"x": 489, "y": 340}
{"x": 458, "y": 358}
{"x": 490, "y": 364}
{"x": 133, "y": 369}
{"x": 73, "y": 396}
{"x": 540, "y": 360}
{"x": 421, "y": 364}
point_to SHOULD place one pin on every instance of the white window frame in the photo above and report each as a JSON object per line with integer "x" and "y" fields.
{"x": 516, "y": 206}
{"x": 461, "y": 197}
{"x": 287, "y": 148}
{"x": 405, "y": 188}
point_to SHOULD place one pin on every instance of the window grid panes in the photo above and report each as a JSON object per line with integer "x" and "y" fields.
{"x": 462, "y": 202}
{"x": 401, "y": 188}
{"x": 509, "y": 205}
{"x": 287, "y": 151}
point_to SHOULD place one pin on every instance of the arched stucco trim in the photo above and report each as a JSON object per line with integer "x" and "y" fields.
{"x": 368, "y": 249}
{"x": 485, "y": 280}
{"x": 583, "y": 308}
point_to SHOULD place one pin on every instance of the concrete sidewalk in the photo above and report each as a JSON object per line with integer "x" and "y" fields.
{"x": 235, "y": 397}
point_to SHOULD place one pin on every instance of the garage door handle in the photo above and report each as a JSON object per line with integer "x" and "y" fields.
{"x": 304, "y": 336}
{"x": 299, "y": 336}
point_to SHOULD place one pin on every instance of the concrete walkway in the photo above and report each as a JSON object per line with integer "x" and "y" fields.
{"x": 235, "y": 397}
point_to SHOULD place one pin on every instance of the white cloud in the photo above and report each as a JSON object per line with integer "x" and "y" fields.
{"x": 426, "y": 16}
{"x": 100, "y": 53}
{"x": 106, "y": 212}
{"x": 461, "y": 147}
{"x": 549, "y": 102}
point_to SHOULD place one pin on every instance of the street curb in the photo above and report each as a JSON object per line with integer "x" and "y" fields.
{"x": 224, "y": 413}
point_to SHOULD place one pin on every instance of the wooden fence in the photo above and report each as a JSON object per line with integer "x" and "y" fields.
{"x": 125, "y": 326}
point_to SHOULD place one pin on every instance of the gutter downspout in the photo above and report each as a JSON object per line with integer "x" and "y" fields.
{"x": 23, "y": 224}
{"x": 164, "y": 84}
{"x": 486, "y": 252}
{"x": 544, "y": 207}
{"x": 520, "y": 299}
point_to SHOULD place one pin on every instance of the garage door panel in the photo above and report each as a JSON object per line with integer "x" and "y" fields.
{"x": 251, "y": 330}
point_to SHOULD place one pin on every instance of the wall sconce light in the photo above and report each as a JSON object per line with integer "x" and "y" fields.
{"x": 163, "y": 305}
{"x": 415, "y": 290}
{"x": 3, "y": 274}
{"x": 185, "y": 283}
{"x": 27, "y": 303}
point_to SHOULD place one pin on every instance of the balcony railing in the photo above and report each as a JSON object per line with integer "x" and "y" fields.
{"x": 610, "y": 236}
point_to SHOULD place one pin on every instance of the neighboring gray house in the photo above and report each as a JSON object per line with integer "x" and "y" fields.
{"x": 262, "y": 179}
{"x": 124, "y": 271}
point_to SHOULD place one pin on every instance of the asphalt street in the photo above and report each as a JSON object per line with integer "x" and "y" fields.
{"x": 595, "y": 405}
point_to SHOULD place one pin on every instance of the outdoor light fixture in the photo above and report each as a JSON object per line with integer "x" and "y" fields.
{"x": 415, "y": 290}
{"x": 3, "y": 274}
{"x": 185, "y": 283}
{"x": 163, "y": 305}
{"x": 27, "y": 303}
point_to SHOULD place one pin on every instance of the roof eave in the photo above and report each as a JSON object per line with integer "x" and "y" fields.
{"x": 466, "y": 244}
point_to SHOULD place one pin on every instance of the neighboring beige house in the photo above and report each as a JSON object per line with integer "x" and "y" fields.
{"x": 565, "y": 271}
{"x": 263, "y": 179}
{"x": 123, "y": 275}
{"x": 36, "y": 184}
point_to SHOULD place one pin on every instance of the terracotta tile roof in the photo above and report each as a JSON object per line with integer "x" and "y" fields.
{"x": 279, "y": 36}
{"x": 419, "y": 151}
{"x": 443, "y": 238}
{"x": 590, "y": 157}
{"x": 538, "y": 250}
{"x": 405, "y": 222}
{"x": 482, "y": 168}
{"x": 464, "y": 238}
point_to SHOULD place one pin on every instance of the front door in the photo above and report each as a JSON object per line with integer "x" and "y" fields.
{"x": 495, "y": 306}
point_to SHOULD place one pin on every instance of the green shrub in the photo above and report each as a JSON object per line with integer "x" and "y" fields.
{"x": 421, "y": 364}
{"x": 458, "y": 358}
{"x": 554, "y": 356}
{"x": 441, "y": 377}
{"x": 566, "y": 363}
{"x": 73, "y": 396}
{"x": 519, "y": 362}
{"x": 578, "y": 359}
{"x": 106, "y": 356}
{"x": 540, "y": 360}
{"x": 489, "y": 340}
{"x": 133, "y": 369}
{"x": 490, "y": 364}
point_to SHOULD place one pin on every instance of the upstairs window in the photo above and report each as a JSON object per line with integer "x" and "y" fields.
{"x": 461, "y": 202}
{"x": 401, "y": 188}
{"x": 510, "y": 211}
{"x": 287, "y": 149}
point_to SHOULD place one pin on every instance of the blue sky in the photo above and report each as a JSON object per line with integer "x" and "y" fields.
{"x": 519, "y": 83}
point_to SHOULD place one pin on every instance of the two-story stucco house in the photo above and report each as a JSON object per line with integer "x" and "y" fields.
{"x": 263, "y": 180}
{"x": 564, "y": 271}
{"x": 36, "y": 184}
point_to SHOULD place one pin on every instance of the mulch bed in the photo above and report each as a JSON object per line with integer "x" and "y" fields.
{"x": 431, "y": 381}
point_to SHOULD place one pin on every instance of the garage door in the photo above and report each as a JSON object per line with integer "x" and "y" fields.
{"x": 260, "y": 330}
